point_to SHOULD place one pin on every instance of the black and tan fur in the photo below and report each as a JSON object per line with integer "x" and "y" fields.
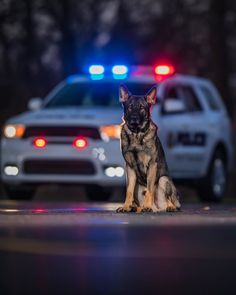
{"x": 149, "y": 187}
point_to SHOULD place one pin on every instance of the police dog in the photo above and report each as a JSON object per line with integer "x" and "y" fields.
{"x": 149, "y": 186}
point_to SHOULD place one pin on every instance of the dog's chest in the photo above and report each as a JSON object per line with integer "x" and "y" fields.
{"x": 142, "y": 152}
{"x": 138, "y": 143}
{"x": 137, "y": 140}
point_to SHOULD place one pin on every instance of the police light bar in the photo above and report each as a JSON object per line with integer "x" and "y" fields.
{"x": 164, "y": 70}
{"x": 96, "y": 70}
{"x": 119, "y": 71}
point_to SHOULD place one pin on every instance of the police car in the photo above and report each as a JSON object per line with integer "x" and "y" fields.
{"x": 72, "y": 136}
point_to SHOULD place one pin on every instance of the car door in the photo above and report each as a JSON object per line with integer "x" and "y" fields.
{"x": 182, "y": 129}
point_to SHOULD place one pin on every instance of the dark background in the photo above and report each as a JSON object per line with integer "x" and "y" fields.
{"x": 43, "y": 41}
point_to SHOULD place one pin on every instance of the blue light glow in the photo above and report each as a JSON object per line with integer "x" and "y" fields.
{"x": 96, "y": 70}
{"x": 97, "y": 76}
{"x": 72, "y": 79}
{"x": 119, "y": 72}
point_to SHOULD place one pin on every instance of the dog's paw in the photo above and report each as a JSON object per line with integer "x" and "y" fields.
{"x": 171, "y": 209}
{"x": 146, "y": 209}
{"x": 126, "y": 209}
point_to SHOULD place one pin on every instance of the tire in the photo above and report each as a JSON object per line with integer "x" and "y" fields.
{"x": 20, "y": 192}
{"x": 212, "y": 188}
{"x": 98, "y": 193}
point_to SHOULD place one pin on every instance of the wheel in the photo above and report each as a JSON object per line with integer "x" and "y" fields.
{"x": 213, "y": 186}
{"x": 20, "y": 192}
{"x": 98, "y": 193}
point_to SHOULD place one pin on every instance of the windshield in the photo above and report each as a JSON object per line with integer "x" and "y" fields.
{"x": 93, "y": 94}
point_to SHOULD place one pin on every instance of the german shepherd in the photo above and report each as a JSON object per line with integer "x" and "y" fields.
{"x": 149, "y": 186}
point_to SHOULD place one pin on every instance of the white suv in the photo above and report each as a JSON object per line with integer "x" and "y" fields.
{"x": 73, "y": 135}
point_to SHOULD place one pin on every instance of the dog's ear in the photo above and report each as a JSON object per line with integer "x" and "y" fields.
{"x": 151, "y": 96}
{"x": 124, "y": 93}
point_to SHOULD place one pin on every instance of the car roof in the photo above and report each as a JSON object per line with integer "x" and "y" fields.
{"x": 134, "y": 79}
{"x": 149, "y": 79}
{"x": 188, "y": 79}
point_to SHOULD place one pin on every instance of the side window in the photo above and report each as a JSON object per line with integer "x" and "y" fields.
{"x": 171, "y": 92}
{"x": 173, "y": 101}
{"x": 210, "y": 98}
{"x": 191, "y": 100}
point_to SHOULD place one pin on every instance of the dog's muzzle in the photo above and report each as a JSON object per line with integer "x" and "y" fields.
{"x": 134, "y": 124}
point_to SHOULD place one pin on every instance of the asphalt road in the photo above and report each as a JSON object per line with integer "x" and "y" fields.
{"x": 84, "y": 248}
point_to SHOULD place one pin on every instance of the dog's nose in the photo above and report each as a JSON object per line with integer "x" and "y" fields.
{"x": 134, "y": 120}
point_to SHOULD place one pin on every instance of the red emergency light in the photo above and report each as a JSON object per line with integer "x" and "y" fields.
{"x": 40, "y": 142}
{"x": 80, "y": 143}
{"x": 163, "y": 71}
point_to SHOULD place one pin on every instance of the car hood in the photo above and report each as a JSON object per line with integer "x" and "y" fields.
{"x": 70, "y": 116}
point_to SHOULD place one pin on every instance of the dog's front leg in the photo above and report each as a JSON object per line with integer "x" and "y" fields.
{"x": 131, "y": 182}
{"x": 151, "y": 188}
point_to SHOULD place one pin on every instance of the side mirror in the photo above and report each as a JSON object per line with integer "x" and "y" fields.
{"x": 35, "y": 103}
{"x": 173, "y": 105}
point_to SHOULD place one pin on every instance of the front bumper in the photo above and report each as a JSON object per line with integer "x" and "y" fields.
{"x": 99, "y": 153}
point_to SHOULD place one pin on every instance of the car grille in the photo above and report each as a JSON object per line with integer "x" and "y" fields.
{"x": 58, "y": 167}
{"x": 62, "y": 131}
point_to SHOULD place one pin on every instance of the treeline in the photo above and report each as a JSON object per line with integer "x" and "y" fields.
{"x": 43, "y": 41}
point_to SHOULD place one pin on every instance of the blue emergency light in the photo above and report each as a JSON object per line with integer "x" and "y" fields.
{"x": 119, "y": 71}
{"x": 96, "y": 72}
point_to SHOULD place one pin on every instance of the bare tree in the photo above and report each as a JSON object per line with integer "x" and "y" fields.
{"x": 219, "y": 36}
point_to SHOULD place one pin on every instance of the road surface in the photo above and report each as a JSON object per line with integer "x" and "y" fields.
{"x": 85, "y": 248}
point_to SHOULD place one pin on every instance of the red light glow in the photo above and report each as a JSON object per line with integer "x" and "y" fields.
{"x": 80, "y": 143}
{"x": 39, "y": 211}
{"x": 164, "y": 70}
{"x": 40, "y": 142}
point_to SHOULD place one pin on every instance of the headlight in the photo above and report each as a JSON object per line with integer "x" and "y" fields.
{"x": 110, "y": 132}
{"x": 14, "y": 131}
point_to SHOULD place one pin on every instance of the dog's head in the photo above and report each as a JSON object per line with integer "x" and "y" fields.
{"x": 137, "y": 108}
